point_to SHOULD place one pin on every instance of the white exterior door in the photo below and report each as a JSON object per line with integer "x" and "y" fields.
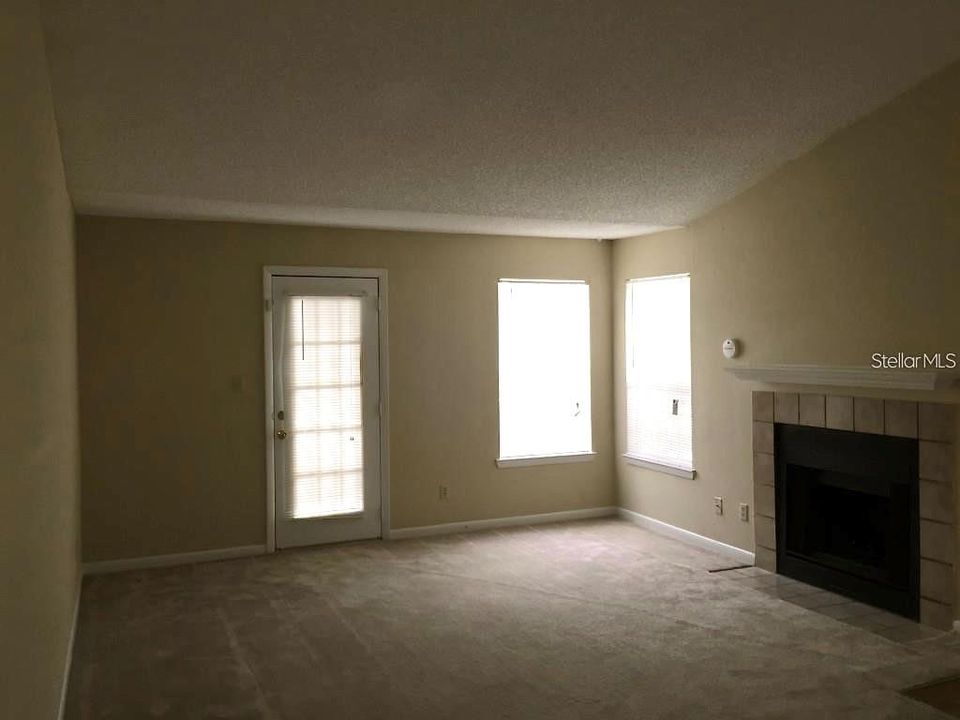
{"x": 326, "y": 419}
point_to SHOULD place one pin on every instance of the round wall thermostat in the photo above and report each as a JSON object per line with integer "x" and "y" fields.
{"x": 730, "y": 348}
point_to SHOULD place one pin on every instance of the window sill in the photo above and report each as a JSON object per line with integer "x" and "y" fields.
{"x": 689, "y": 474}
{"x": 545, "y": 459}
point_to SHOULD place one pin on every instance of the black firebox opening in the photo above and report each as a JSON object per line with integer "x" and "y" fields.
{"x": 848, "y": 516}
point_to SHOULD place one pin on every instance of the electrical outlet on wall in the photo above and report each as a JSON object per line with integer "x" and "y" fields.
{"x": 744, "y": 512}
{"x": 718, "y": 505}
{"x": 442, "y": 492}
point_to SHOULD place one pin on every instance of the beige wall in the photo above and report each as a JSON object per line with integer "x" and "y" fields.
{"x": 171, "y": 377}
{"x": 39, "y": 509}
{"x": 851, "y": 249}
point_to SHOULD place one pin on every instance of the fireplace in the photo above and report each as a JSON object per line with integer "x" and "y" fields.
{"x": 847, "y": 514}
{"x": 856, "y": 494}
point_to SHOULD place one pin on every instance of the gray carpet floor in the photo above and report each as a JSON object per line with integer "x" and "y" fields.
{"x": 594, "y": 619}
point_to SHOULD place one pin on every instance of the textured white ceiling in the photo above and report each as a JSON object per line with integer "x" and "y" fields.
{"x": 560, "y": 117}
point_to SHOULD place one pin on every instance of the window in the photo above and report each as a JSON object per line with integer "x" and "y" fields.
{"x": 544, "y": 370}
{"x": 659, "y": 413}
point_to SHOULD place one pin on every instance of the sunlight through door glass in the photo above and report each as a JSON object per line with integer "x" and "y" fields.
{"x": 323, "y": 392}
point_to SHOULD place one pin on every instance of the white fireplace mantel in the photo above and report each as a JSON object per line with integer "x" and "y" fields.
{"x": 846, "y": 376}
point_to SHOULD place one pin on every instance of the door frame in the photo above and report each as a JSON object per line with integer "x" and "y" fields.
{"x": 380, "y": 275}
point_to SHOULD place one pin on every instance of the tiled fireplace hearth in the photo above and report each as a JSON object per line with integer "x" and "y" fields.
{"x": 932, "y": 425}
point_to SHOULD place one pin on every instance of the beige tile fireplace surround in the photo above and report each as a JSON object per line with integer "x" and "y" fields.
{"x": 935, "y": 427}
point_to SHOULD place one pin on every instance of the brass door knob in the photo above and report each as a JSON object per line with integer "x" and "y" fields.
{"x": 282, "y": 434}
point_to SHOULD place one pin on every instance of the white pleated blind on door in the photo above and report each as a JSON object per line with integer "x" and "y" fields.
{"x": 659, "y": 413}
{"x": 322, "y": 397}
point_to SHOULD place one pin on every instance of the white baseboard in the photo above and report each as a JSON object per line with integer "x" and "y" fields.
{"x": 156, "y": 561}
{"x": 68, "y": 661}
{"x": 691, "y": 538}
{"x": 472, "y": 525}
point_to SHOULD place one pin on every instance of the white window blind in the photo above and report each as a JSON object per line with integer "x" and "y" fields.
{"x": 659, "y": 413}
{"x": 544, "y": 368}
{"x": 322, "y": 393}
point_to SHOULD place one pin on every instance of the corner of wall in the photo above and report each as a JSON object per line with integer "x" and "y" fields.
{"x": 40, "y": 494}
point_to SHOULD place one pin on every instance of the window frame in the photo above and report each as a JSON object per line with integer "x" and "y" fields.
{"x": 637, "y": 460}
{"x": 547, "y": 458}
